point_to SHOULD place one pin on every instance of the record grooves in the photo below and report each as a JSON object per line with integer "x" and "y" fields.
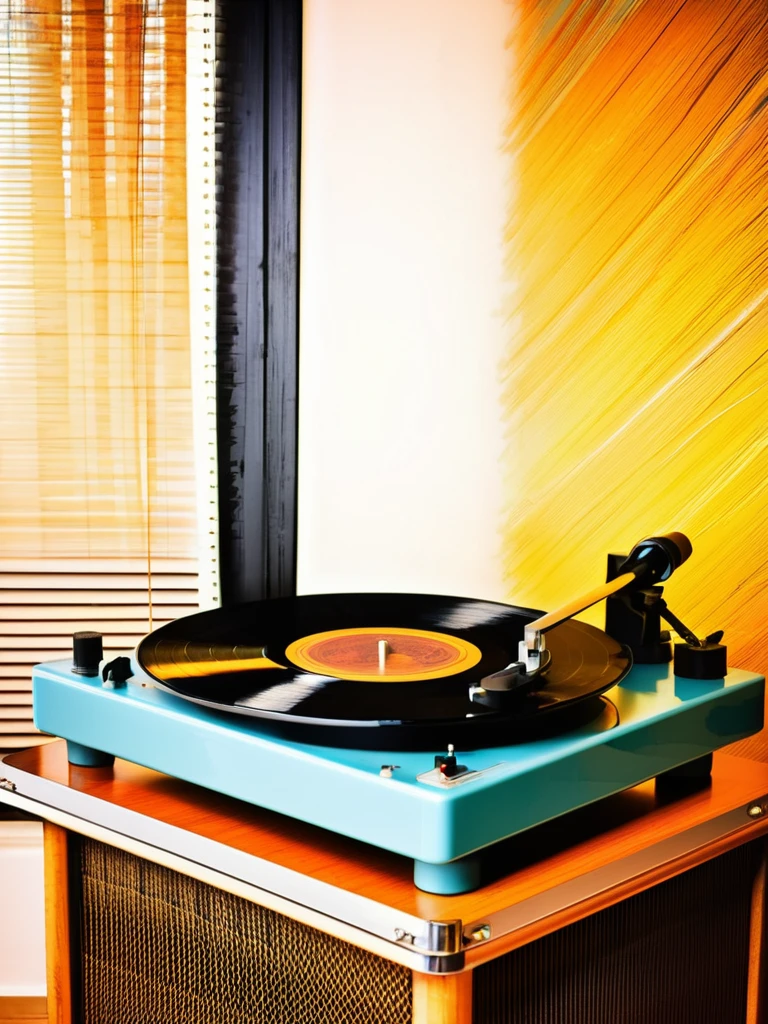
{"x": 380, "y": 669}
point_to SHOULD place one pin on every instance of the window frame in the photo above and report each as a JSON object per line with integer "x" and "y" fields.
{"x": 258, "y": 114}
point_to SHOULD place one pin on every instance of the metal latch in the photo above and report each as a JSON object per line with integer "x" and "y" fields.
{"x": 441, "y": 937}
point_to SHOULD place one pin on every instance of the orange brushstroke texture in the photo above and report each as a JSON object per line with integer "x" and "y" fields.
{"x": 636, "y": 394}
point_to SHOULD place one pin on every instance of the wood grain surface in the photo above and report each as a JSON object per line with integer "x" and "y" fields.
{"x": 757, "y": 974}
{"x": 533, "y": 863}
{"x": 57, "y": 958}
{"x": 23, "y": 1010}
{"x": 442, "y": 1000}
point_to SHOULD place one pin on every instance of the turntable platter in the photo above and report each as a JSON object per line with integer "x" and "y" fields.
{"x": 368, "y": 660}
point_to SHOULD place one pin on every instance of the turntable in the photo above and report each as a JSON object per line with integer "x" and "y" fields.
{"x": 434, "y": 727}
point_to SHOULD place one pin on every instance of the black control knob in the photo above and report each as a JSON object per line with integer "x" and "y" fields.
{"x": 87, "y": 652}
{"x": 116, "y": 673}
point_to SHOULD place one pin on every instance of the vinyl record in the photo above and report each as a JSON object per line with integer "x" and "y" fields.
{"x": 392, "y": 661}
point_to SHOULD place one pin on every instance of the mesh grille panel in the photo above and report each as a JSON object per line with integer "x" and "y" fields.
{"x": 676, "y": 954}
{"x": 160, "y": 947}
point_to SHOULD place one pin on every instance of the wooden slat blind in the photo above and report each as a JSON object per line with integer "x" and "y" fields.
{"x": 98, "y": 506}
{"x": 40, "y": 611}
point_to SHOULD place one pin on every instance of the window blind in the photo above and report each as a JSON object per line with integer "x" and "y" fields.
{"x": 99, "y": 518}
{"x": 39, "y": 611}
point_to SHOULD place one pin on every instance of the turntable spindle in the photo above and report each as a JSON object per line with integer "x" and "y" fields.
{"x": 383, "y": 652}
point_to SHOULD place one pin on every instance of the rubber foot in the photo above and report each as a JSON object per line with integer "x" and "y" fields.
{"x": 450, "y": 879}
{"x": 689, "y": 776}
{"x": 87, "y": 757}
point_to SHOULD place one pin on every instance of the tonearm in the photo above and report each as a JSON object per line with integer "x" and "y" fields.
{"x": 634, "y": 580}
{"x": 650, "y": 562}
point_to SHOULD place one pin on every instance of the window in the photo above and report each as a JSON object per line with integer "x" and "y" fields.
{"x": 107, "y": 373}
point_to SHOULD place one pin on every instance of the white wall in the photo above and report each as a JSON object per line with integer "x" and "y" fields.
{"x": 22, "y": 911}
{"x": 404, "y": 194}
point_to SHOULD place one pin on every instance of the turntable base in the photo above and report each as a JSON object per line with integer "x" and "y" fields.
{"x": 647, "y": 725}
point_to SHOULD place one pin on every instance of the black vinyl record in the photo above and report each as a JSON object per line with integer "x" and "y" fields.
{"x": 311, "y": 662}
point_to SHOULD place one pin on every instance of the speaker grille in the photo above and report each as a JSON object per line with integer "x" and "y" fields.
{"x": 158, "y": 946}
{"x": 676, "y": 954}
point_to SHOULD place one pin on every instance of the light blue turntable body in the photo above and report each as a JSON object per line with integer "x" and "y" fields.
{"x": 650, "y": 723}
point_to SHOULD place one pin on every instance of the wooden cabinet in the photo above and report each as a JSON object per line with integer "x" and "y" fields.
{"x": 166, "y": 901}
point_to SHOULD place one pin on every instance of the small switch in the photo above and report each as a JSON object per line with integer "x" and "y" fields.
{"x": 447, "y": 764}
{"x": 116, "y": 673}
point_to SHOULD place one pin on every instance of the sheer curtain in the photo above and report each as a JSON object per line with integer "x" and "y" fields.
{"x": 99, "y": 516}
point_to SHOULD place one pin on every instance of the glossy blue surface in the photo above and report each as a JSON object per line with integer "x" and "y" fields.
{"x": 462, "y": 875}
{"x": 651, "y": 722}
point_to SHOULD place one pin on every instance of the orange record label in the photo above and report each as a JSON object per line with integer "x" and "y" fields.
{"x": 383, "y": 655}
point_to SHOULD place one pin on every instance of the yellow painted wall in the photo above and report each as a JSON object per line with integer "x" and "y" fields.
{"x": 637, "y": 252}
{"x": 534, "y": 253}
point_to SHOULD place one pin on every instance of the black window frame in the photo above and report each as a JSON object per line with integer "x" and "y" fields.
{"x": 258, "y": 128}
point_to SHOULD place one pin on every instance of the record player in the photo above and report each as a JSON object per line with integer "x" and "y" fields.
{"x": 434, "y": 727}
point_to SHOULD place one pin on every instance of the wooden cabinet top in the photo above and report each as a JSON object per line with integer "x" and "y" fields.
{"x": 547, "y": 877}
